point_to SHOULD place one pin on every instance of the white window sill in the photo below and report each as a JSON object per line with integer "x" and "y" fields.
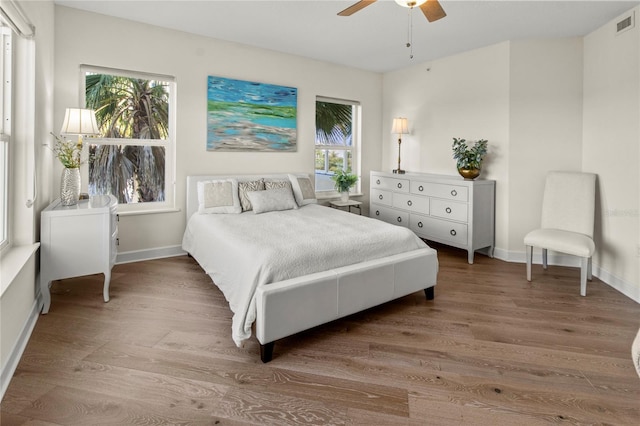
{"x": 12, "y": 263}
{"x": 140, "y": 212}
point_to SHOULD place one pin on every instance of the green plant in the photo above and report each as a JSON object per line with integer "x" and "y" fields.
{"x": 344, "y": 180}
{"x": 469, "y": 156}
{"x": 68, "y": 152}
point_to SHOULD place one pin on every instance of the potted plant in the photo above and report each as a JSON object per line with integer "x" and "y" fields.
{"x": 343, "y": 182}
{"x": 68, "y": 152}
{"x": 469, "y": 157}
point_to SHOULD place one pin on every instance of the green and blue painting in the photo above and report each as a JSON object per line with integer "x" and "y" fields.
{"x": 243, "y": 115}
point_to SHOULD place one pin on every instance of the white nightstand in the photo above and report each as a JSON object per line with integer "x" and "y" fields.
{"x": 338, "y": 204}
{"x": 78, "y": 240}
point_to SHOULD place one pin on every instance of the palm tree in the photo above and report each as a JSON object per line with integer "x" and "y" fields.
{"x": 333, "y": 123}
{"x": 129, "y": 108}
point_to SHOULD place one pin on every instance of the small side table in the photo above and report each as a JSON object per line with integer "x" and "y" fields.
{"x": 338, "y": 204}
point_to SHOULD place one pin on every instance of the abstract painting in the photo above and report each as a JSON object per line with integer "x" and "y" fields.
{"x": 248, "y": 116}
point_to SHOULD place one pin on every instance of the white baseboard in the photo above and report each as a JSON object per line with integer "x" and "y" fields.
{"x": 628, "y": 289}
{"x": 18, "y": 348}
{"x": 149, "y": 254}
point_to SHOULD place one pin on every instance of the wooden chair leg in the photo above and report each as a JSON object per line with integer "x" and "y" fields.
{"x": 529, "y": 256}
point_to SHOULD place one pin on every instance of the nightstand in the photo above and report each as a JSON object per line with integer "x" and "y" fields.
{"x": 338, "y": 204}
{"x": 78, "y": 240}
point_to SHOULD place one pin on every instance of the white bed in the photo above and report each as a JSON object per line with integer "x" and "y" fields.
{"x": 288, "y": 271}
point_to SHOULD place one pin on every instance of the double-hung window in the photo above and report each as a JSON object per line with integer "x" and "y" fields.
{"x": 337, "y": 141}
{"x": 133, "y": 158}
{"x": 5, "y": 131}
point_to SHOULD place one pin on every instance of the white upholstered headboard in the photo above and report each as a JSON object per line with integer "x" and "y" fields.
{"x": 192, "y": 185}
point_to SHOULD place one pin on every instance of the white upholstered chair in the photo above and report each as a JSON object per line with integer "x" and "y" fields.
{"x": 568, "y": 210}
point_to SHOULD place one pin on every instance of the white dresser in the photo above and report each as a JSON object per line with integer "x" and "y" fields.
{"x": 440, "y": 208}
{"x": 78, "y": 240}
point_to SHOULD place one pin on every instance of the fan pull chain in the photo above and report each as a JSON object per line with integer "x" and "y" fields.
{"x": 410, "y": 33}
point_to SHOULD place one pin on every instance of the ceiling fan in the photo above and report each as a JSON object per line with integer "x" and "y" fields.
{"x": 431, "y": 8}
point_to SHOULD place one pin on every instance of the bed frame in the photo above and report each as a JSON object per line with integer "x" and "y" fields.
{"x": 287, "y": 307}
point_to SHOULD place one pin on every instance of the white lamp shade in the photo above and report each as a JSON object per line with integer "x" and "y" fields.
{"x": 400, "y": 126}
{"x": 78, "y": 121}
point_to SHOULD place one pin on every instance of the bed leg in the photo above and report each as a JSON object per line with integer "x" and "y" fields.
{"x": 266, "y": 351}
{"x": 430, "y": 293}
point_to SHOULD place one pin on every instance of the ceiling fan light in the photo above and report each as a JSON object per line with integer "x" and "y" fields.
{"x": 410, "y": 3}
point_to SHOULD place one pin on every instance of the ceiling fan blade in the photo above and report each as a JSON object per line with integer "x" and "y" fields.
{"x": 356, "y": 7}
{"x": 432, "y": 10}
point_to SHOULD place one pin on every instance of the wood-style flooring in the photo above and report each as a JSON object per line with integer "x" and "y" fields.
{"x": 491, "y": 349}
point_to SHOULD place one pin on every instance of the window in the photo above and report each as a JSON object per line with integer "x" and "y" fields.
{"x": 337, "y": 135}
{"x": 5, "y": 131}
{"x": 134, "y": 157}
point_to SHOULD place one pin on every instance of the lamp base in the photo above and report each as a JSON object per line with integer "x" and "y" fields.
{"x": 398, "y": 171}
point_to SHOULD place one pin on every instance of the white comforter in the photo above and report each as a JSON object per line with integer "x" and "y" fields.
{"x": 243, "y": 251}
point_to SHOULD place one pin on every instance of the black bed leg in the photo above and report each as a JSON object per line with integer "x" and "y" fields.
{"x": 266, "y": 351}
{"x": 430, "y": 293}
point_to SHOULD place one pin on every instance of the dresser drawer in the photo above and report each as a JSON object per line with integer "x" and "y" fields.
{"x": 382, "y": 197}
{"x": 412, "y": 202}
{"x": 440, "y": 230}
{"x": 389, "y": 215}
{"x": 440, "y": 190}
{"x": 449, "y": 209}
{"x": 389, "y": 183}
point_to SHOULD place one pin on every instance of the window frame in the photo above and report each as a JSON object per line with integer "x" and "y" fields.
{"x": 355, "y": 147}
{"x": 169, "y": 203}
{"x": 6, "y": 109}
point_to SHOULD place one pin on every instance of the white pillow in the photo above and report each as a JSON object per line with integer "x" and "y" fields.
{"x": 303, "y": 190}
{"x": 272, "y": 200}
{"x": 218, "y": 196}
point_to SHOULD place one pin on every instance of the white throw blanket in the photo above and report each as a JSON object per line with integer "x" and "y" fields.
{"x": 243, "y": 251}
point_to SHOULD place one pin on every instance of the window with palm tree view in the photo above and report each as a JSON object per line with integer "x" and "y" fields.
{"x": 133, "y": 158}
{"x": 336, "y": 137}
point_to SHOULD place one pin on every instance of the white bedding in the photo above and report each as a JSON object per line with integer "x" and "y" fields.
{"x": 243, "y": 251}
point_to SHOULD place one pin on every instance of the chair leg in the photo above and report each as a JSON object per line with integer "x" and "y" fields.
{"x": 529, "y": 260}
{"x": 584, "y": 266}
{"x": 544, "y": 258}
{"x": 589, "y": 274}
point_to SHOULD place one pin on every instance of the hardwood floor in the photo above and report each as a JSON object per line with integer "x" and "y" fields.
{"x": 491, "y": 349}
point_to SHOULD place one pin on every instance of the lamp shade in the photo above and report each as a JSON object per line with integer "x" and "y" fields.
{"x": 79, "y": 121}
{"x": 400, "y": 126}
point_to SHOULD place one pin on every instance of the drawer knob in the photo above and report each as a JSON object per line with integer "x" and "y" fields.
{"x": 421, "y": 188}
{"x": 409, "y": 203}
{"x": 378, "y": 181}
{"x": 399, "y": 185}
{"x": 454, "y": 192}
{"x": 448, "y": 210}
{"x": 453, "y": 232}
{"x": 377, "y": 212}
{"x": 420, "y": 225}
{"x": 399, "y": 219}
{"x": 380, "y": 196}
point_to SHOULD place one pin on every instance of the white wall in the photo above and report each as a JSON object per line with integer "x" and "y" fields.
{"x": 18, "y": 304}
{"x": 552, "y": 104}
{"x": 611, "y": 149}
{"x": 464, "y": 96}
{"x": 545, "y": 126}
{"x": 191, "y": 59}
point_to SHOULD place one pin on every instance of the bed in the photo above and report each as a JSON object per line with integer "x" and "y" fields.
{"x": 287, "y": 267}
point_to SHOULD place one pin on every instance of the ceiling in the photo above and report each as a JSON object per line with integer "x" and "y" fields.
{"x": 373, "y": 39}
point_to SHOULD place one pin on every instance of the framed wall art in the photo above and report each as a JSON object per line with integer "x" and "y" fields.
{"x": 249, "y": 116}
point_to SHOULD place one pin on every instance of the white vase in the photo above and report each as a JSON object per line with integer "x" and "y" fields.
{"x": 344, "y": 196}
{"x": 70, "y": 186}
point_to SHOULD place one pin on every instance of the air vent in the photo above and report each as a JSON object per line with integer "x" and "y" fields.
{"x": 625, "y": 24}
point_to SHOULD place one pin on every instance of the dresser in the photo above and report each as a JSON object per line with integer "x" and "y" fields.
{"x": 78, "y": 240}
{"x": 440, "y": 208}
